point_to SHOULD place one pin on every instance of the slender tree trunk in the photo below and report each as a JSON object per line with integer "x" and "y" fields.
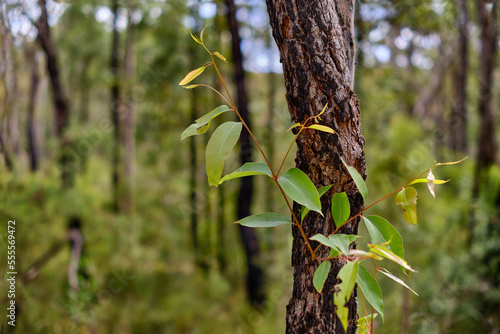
{"x": 8, "y": 83}
{"x": 32, "y": 142}
{"x": 115, "y": 111}
{"x": 129, "y": 116}
{"x": 255, "y": 280}
{"x": 316, "y": 43}
{"x": 62, "y": 113}
{"x": 487, "y": 147}
{"x": 459, "y": 110}
{"x": 270, "y": 120}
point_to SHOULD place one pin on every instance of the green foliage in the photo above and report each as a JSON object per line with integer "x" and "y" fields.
{"x": 219, "y": 146}
{"x": 341, "y": 209}
{"x": 381, "y": 231}
{"x": 370, "y": 290}
{"x": 407, "y": 200}
{"x": 248, "y": 169}
{"x": 358, "y": 180}
{"x": 264, "y": 220}
{"x": 296, "y": 184}
{"x": 202, "y": 124}
{"x": 347, "y": 275}
{"x": 320, "y": 275}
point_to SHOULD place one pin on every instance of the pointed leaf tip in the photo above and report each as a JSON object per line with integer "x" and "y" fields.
{"x": 192, "y": 75}
{"x": 407, "y": 200}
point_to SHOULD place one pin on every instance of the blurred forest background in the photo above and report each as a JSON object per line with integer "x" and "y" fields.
{"x": 117, "y": 228}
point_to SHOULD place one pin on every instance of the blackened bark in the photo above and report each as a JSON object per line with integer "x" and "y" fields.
{"x": 32, "y": 142}
{"x": 487, "y": 147}
{"x": 115, "y": 110}
{"x": 459, "y": 111}
{"x": 248, "y": 236}
{"x": 316, "y": 42}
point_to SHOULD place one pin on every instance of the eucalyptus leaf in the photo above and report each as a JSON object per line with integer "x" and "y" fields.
{"x": 341, "y": 209}
{"x": 264, "y": 220}
{"x": 382, "y": 231}
{"x": 407, "y": 199}
{"x": 192, "y": 75}
{"x": 395, "y": 279}
{"x": 321, "y": 191}
{"x": 202, "y": 124}
{"x": 347, "y": 275}
{"x": 358, "y": 180}
{"x": 218, "y": 148}
{"x": 248, "y": 169}
{"x": 370, "y": 289}
{"x": 320, "y": 275}
{"x": 297, "y": 185}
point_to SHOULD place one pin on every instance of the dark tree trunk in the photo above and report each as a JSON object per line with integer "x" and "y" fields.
{"x": 316, "y": 43}
{"x": 32, "y": 142}
{"x": 487, "y": 147}
{"x": 489, "y": 39}
{"x": 62, "y": 113}
{"x": 248, "y": 236}
{"x": 8, "y": 81}
{"x": 115, "y": 111}
{"x": 127, "y": 202}
{"x": 459, "y": 110}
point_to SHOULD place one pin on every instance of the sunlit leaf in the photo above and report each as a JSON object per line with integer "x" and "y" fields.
{"x": 323, "y": 240}
{"x": 299, "y": 187}
{"x": 342, "y": 241}
{"x": 382, "y": 231}
{"x": 321, "y": 191}
{"x": 322, "y": 111}
{"x": 364, "y": 323}
{"x": 370, "y": 289}
{"x": 320, "y": 127}
{"x": 192, "y": 86}
{"x": 218, "y": 148}
{"x": 192, "y": 75}
{"x": 202, "y": 124}
{"x": 425, "y": 181}
{"x": 361, "y": 253}
{"x": 347, "y": 275}
{"x": 293, "y": 126}
{"x": 388, "y": 254}
{"x": 248, "y": 169}
{"x": 196, "y": 39}
{"x": 407, "y": 199}
{"x": 320, "y": 275}
{"x": 264, "y": 220}
{"x": 220, "y": 56}
{"x": 341, "y": 209}
{"x": 451, "y": 163}
{"x": 394, "y": 278}
{"x": 358, "y": 180}
{"x": 201, "y": 34}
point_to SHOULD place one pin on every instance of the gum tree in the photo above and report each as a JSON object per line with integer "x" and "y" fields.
{"x": 316, "y": 43}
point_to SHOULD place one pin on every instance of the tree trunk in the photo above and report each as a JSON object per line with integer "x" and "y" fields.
{"x": 459, "y": 110}
{"x": 129, "y": 117}
{"x": 32, "y": 142}
{"x": 115, "y": 111}
{"x": 7, "y": 73}
{"x": 316, "y": 43}
{"x": 62, "y": 113}
{"x": 248, "y": 236}
{"x": 487, "y": 148}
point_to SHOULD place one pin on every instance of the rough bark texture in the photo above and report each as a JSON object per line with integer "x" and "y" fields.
{"x": 315, "y": 39}
{"x": 489, "y": 39}
{"x": 459, "y": 111}
{"x": 248, "y": 235}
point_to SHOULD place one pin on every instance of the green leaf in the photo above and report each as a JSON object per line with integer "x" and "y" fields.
{"x": 196, "y": 39}
{"x": 191, "y": 86}
{"x": 201, "y": 33}
{"x": 347, "y": 275}
{"x": 341, "y": 209}
{"x": 192, "y": 75}
{"x": 220, "y": 56}
{"x": 304, "y": 211}
{"x": 320, "y": 275}
{"x": 320, "y": 127}
{"x": 358, "y": 180}
{"x": 248, "y": 169}
{"x": 218, "y": 148}
{"x": 264, "y": 220}
{"x": 323, "y": 240}
{"x": 202, "y": 124}
{"x": 364, "y": 323}
{"x": 407, "y": 199}
{"x": 394, "y": 278}
{"x": 388, "y": 254}
{"x": 425, "y": 181}
{"x": 382, "y": 231}
{"x": 342, "y": 241}
{"x": 370, "y": 289}
{"x": 299, "y": 187}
